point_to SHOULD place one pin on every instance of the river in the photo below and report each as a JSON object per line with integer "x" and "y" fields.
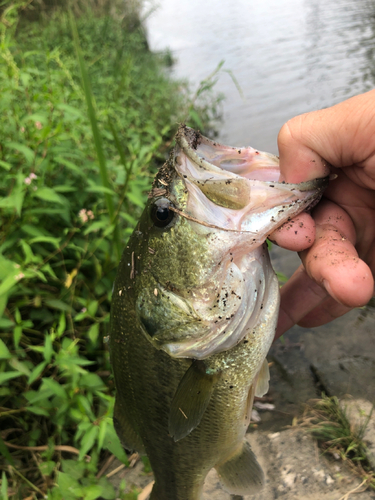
{"x": 288, "y": 56}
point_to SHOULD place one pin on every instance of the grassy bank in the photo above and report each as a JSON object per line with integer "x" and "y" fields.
{"x": 85, "y": 120}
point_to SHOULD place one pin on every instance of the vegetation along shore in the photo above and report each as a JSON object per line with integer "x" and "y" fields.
{"x": 87, "y": 115}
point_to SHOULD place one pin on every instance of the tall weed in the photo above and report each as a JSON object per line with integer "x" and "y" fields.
{"x": 63, "y": 220}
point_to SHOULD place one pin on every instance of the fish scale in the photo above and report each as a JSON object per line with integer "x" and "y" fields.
{"x": 186, "y": 370}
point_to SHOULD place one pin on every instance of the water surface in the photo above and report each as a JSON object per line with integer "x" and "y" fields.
{"x": 289, "y": 57}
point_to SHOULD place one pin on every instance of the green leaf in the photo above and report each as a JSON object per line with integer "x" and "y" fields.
{"x": 19, "y": 366}
{"x": 48, "y": 348}
{"x": 4, "y": 486}
{"x": 26, "y": 151}
{"x": 36, "y": 117}
{"x": 70, "y": 165}
{"x": 195, "y": 118}
{"x": 65, "y": 189}
{"x": 37, "y": 410}
{"x": 4, "y": 451}
{"x": 29, "y": 256}
{"x": 47, "y": 467}
{"x": 93, "y": 333}
{"x": 46, "y": 239}
{"x": 62, "y": 324}
{"x": 10, "y": 280}
{"x": 51, "y": 384}
{"x": 6, "y": 323}
{"x": 102, "y": 433}
{"x": 112, "y": 443}
{"x": 58, "y": 304}
{"x": 14, "y": 200}
{"x": 108, "y": 491}
{"x": 32, "y": 230}
{"x": 96, "y": 226}
{"x": 92, "y": 492}
{"x": 17, "y": 316}
{"x": 4, "y": 377}
{"x": 80, "y": 316}
{"x": 5, "y": 165}
{"x": 47, "y": 194}
{"x": 36, "y": 372}
{"x": 17, "y": 334}
{"x": 75, "y": 112}
{"x": 88, "y": 441}
{"x": 4, "y": 351}
{"x": 35, "y": 396}
{"x": 66, "y": 485}
{"x": 92, "y": 307}
{"x": 100, "y": 189}
{"x": 74, "y": 468}
{"x": 92, "y": 381}
{"x": 136, "y": 199}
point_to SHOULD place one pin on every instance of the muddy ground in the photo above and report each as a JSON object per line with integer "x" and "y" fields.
{"x": 339, "y": 359}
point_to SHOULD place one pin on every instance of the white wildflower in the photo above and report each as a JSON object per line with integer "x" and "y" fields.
{"x": 83, "y": 215}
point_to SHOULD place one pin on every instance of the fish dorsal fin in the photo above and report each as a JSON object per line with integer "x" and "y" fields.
{"x": 262, "y": 384}
{"x": 191, "y": 400}
{"x": 241, "y": 473}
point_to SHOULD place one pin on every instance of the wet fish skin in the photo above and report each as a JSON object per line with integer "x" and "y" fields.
{"x": 173, "y": 289}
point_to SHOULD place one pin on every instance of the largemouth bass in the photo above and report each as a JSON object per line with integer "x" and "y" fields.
{"x": 194, "y": 311}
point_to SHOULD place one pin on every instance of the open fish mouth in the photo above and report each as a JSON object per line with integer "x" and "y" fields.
{"x": 238, "y": 189}
{"x": 231, "y": 199}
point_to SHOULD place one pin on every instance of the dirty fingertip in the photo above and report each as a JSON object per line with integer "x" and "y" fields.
{"x": 297, "y": 234}
{"x": 353, "y": 286}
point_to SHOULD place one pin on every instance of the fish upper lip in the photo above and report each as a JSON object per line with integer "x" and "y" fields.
{"x": 186, "y": 135}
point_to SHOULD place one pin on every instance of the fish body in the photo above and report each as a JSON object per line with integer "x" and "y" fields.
{"x": 194, "y": 312}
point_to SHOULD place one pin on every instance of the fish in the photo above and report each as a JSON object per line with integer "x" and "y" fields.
{"x": 194, "y": 310}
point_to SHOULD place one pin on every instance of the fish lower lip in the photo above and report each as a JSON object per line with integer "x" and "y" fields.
{"x": 314, "y": 184}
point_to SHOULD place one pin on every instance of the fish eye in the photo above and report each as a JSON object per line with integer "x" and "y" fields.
{"x": 161, "y": 213}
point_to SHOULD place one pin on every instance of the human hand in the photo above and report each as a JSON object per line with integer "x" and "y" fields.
{"x": 337, "y": 271}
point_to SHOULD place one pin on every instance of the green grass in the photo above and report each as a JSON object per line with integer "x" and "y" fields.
{"x": 85, "y": 121}
{"x": 336, "y": 435}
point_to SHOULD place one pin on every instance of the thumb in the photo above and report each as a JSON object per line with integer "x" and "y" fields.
{"x": 342, "y": 135}
{"x": 300, "y": 160}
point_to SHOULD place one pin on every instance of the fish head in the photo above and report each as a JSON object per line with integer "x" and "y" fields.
{"x": 202, "y": 267}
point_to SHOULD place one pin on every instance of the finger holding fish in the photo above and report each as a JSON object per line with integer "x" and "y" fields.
{"x": 332, "y": 280}
{"x": 297, "y": 234}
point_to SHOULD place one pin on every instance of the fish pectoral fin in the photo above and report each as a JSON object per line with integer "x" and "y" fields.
{"x": 262, "y": 384}
{"x": 191, "y": 400}
{"x": 241, "y": 474}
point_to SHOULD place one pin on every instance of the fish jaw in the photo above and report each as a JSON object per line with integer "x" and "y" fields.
{"x": 238, "y": 189}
